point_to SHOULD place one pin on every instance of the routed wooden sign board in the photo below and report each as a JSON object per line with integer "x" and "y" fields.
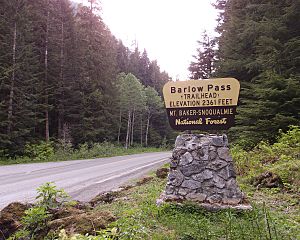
{"x": 208, "y": 104}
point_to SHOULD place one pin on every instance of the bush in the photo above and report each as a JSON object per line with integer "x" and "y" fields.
{"x": 35, "y": 219}
{"x": 50, "y": 197}
{"x": 39, "y": 152}
{"x": 281, "y": 158}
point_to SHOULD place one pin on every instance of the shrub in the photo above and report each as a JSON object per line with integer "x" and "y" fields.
{"x": 35, "y": 219}
{"x": 281, "y": 158}
{"x": 50, "y": 197}
{"x": 39, "y": 152}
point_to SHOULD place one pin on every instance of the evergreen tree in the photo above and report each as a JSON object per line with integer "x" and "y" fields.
{"x": 204, "y": 66}
{"x": 58, "y": 77}
{"x": 256, "y": 43}
{"x": 19, "y": 88}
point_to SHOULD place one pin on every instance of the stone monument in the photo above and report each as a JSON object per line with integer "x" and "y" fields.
{"x": 202, "y": 171}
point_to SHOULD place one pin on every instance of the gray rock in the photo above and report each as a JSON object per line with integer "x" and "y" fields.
{"x": 209, "y": 191}
{"x": 231, "y": 184}
{"x": 191, "y": 184}
{"x": 216, "y": 198}
{"x": 205, "y": 158}
{"x": 205, "y": 150}
{"x": 212, "y": 155}
{"x": 184, "y": 191}
{"x": 173, "y": 198}
{"x": 212, "y": 148}
{"x": 206, "y": 174}
{"x": 175, "y": 178}
{"x": 199, "y": 197}
{"x": 180, "y": 141}
{"x": 219, "y": 182}
{"x": 218, "y": 164}
{"x": 217, "y": 141}
{"x": 225, "y": 140}
{"x": 178, "y": 152}
{"x": 197, "y": 154}
{"x": 173, "y": 163}
{"x": 223, "y": 153}
{"x": 231, "y": 201}
{"x": 209, "y": 184}
{"x": 186, "y": 159}
{"x": 170, "y": 189}
{"x": 227, "y": 172}
{"x": 193, "y": 168}
{"x": 205, "y": 141}
{"x": 191, "y": 146}
{"x": 231, "y": 171}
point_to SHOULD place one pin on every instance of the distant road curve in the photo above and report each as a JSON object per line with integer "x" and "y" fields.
{"x": 82, "y": 179}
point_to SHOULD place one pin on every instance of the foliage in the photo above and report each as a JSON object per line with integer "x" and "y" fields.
{"x": 107, "y": 234}
{"x": 255, "y": 47}
{"x": 281, "y": 158}
{"x": 204, "y": 65}
{"x": 257, "y": 224}
{"x": 49, "y": 197}
{"x": 57, "y": 82}
{"x": 85, "y": 151}
{"x": 140, "y": 215}
{"x": 35, "y": 219}
{"x": 39, "y": 152}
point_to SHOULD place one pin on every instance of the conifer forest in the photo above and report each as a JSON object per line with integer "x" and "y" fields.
{"x": 64, "y": 77}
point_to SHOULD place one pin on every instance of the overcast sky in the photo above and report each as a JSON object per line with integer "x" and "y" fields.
{"x": 168, "y": 29}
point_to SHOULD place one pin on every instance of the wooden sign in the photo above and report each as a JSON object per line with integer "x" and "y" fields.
{"x": 208, "y": 104}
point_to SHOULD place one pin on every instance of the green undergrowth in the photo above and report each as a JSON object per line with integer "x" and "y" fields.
{"x": 50, "y": 152}
{"x": 140, "y": 218}
{"x": 275, "y": 213}
{"x": 281, "y": 158}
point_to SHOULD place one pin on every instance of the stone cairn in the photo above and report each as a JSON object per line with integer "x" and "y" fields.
{"x": 201, "y": 170}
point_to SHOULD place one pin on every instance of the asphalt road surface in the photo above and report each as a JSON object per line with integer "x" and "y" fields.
{"x": 82, "y": 179}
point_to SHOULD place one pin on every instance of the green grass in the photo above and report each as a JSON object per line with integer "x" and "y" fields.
{"x": 44, "y": 152}
{"x": 140, "y": 218}
{"x": 275, "y": 215}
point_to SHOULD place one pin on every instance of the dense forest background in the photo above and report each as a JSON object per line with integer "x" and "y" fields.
{"x": 258, "y": 43}
{"x": 65, "y": 78}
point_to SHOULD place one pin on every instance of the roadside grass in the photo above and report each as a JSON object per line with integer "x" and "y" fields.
{"x": 275, "y": 215}
{"x": 140, "y": 218}
{"x": 48, "y": 152}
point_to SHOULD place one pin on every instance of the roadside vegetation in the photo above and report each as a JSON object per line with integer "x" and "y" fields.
{"x": 51, "y": 152}
{"x": 132, "y": 213}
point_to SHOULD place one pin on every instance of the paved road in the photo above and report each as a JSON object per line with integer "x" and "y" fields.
{"x": 82, "y": 179}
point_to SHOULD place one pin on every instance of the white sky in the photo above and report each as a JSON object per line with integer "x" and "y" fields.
{"x": 168, "y": 29}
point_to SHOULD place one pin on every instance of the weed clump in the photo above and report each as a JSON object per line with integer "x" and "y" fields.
{"x": 272, "y": 165}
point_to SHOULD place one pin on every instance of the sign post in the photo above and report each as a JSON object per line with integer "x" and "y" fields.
{"x": 201, "y": 168}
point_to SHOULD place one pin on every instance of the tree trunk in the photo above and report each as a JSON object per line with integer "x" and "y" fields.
{"x": 120, "y": 125}
{"x": 147, "y": 130}
{"x": 61, "y": 109}
{"x": 47, "y": 135}
{"x": 141, "y": 130}
{"x": 132, "y": 127}
{"x": 128, "y": 130}
{"x": 11, "y": 92}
